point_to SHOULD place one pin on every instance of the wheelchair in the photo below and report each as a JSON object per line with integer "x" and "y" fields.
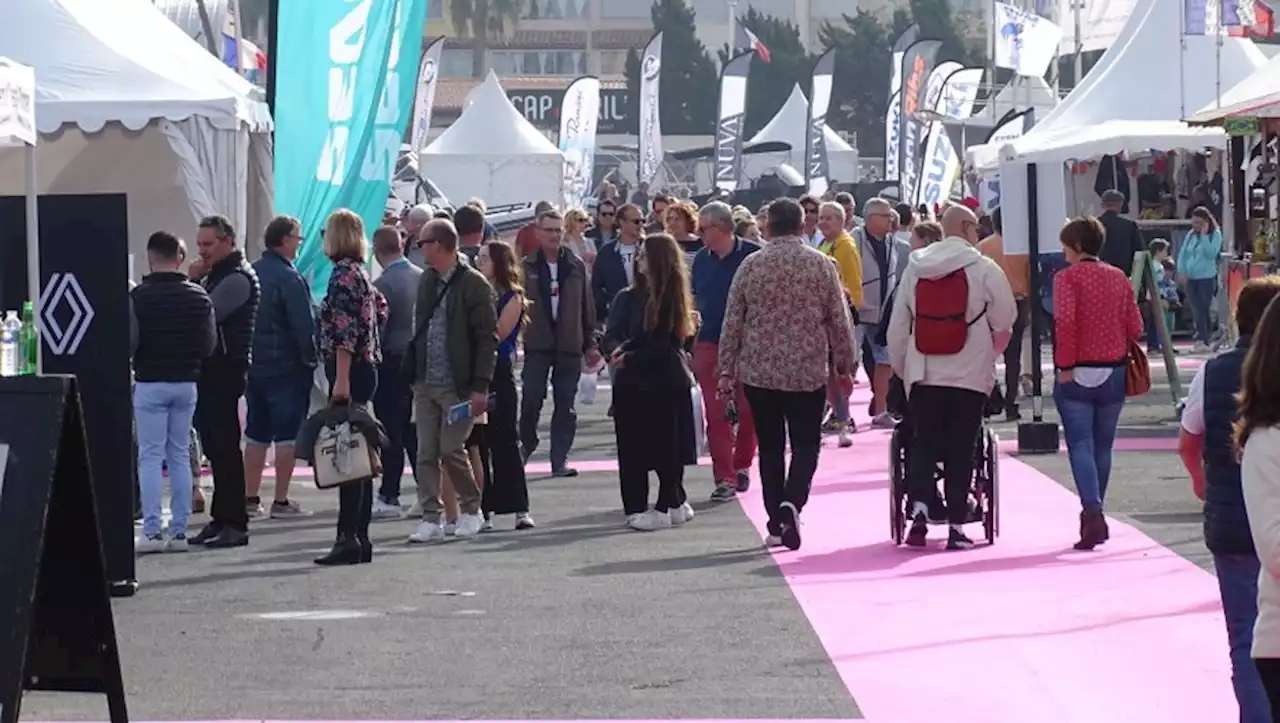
{"x": 984, "y": 496}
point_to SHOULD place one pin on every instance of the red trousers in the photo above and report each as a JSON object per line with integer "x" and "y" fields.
{"x": 731, "y": 450}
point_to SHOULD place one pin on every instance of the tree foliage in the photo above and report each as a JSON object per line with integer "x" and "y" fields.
{"x": 863, "y": 44}
{"x": 689, "y": 80}
{"x": 769, "y": 84}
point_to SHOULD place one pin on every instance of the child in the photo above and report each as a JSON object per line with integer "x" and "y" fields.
{"x": 1164, "y": 272}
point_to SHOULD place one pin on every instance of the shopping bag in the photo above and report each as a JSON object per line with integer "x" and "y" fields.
{"x": 587, "y": 386}
{"x": 342, "y": 456}
{"x": 699, "y": 420}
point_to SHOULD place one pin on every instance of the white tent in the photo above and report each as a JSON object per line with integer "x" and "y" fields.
{"x": 1257, "y": 95}
{"x": 493, "y": 153}
{"x": 1135, "y": 98}
{"x": 1019, "y": 94}
{"x": 127, "y": 103}
{"x": 791, "y": 126}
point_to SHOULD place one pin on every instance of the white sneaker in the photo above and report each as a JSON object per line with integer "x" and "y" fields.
{"x": 177, "y": 543}
{"x": 773, "y": 541}
{"x": 650, "y": 521}
{"x": 450, "y": 529}
{"x": 427, "y": 532}
{"x": 845, "y": 439}
{"x": 487, "y": 525}
{"x": 468, "y": 525}
{"x": 148, "y": 544}
{"x": 524, "y": 521}
{"x": 681, "y": 514}
{"x": 384, "y": 511}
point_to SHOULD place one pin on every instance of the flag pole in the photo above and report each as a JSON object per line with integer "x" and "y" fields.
{"x": 733, "y": 30}
{"x": 1222, "y": 17}
{"x": 1182, "y": 57}
{"x": 1077, "y": 71}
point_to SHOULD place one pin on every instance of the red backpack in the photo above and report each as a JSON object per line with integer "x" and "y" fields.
{"x": 941, "y": 304}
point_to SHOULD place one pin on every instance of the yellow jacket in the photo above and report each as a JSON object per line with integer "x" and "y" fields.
{"x": 848, "y": 260}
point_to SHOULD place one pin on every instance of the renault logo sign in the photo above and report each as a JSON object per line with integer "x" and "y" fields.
{"x": 63, "y": 288}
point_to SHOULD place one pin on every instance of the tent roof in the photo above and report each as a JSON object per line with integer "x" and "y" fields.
{"x": 1020, "y": 93}
{"x": 121, "y": 61}
{"x": 1131, "y": 101}
{"x": 491, "y": 126}
{"x": 791, "y": 124}
{"x": 1256, "y": 95}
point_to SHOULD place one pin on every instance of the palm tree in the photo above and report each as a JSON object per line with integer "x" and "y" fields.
{"x": 482, "y": 21}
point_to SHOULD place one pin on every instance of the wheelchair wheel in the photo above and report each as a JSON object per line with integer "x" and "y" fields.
{"x": 991, "y": 471}
{"x": 897, "y": 486}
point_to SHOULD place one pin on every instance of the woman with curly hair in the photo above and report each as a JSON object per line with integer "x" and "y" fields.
{"x": 681, "y": 221}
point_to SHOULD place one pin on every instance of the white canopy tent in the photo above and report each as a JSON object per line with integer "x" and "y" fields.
{"x": 1135, "y": 98}
{"x": 1132, "y": 101}
{"x": 127, "y": 103}
{"x": 791, "y": 126}
{"x": 1019, "y": 94}
{"x": 491, "y": 152}
{"x": 18, "y": 129}
{"x": 1257, "y": 95}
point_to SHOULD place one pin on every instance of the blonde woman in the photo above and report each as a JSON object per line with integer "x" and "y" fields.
{"x": 576, "y": 222}
{"x": 351, "y": 347}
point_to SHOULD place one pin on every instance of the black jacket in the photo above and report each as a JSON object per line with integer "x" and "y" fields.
{"x": 608, "y": 278}
{"x": 236, "y": 329}
{"x": 1123, "y": 241}
{"x": 653, "y": 360}
{"x": 176, "y": 329}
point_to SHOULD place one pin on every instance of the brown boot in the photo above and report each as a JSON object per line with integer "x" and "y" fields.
{"x": 1092, "y": 529}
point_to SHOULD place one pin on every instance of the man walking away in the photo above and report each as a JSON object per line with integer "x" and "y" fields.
{"x": 233, "y": 288}
{"x": 732, "y": 450}
{"x": 174, "y": 331}
{"x": 455, "y": 345}
{"x": 1207, "y": 447}
{"x": 561, "y": 330}
{"x": 883, "y": 258}
{"x": 469, "y": 221}
{"x": 1017, "y": 269}
{"x": 392, "y": 400}
{"x": 282, "y": 371}
{"x": 780, "y": 345}
{"x": 952, "y": 317}
{"x": 1123, "y": 237}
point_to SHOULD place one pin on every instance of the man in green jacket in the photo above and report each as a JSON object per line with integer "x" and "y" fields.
{"x": 454, "y": 349}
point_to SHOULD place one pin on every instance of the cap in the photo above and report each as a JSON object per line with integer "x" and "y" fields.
{"x": 1112, "y": 197}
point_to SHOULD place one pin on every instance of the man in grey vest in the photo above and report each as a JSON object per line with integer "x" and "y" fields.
{"x": 394, "y": 398}
{"x": 884, "y": 258}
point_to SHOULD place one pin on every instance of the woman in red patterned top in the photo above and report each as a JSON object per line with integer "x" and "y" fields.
{"x": 1095, "y": 316}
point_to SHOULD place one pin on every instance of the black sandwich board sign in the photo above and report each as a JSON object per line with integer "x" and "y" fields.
{"x": 56, "y": 627}
{"x": 84, "y": 292}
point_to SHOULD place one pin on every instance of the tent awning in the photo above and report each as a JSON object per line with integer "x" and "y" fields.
{"x": 1266, "y": 106}
{"x": 1112, "y": 137}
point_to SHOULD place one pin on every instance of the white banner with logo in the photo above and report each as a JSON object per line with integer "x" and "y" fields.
{"x": 913, "y": 179}
{"x": 17, "y": 104}
{"x": 1025, "y": 42}
{"x": 942, "y": 163}
{"x": 425, "y": 99}
{"x": 893, "y": 119}
{"x": 650, "y": 145}
{"x": 579, "y": 118}
{"x": 817, "y": 170}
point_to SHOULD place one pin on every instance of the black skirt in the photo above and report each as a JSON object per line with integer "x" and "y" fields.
{"x": 654, "y": 426}
{"x": 506, "y": 492}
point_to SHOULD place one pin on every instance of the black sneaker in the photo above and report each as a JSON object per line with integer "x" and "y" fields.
{"x": 564, "y": 472}
{"x": 725, "y": 491}
{"x": 919, "y": 532}
{"x": 957, "y": 540}
{"x": 744, "y": 481}
{"x": 228, "y": 537}
{"x": 789, "y": 526}
{"x": 207, "y": 533}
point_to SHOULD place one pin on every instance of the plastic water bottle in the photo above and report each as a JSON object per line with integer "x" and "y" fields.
{"x": 10, "y": 345}
{"x": 29, "y": 338}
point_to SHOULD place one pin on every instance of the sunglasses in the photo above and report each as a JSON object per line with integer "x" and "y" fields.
{"x": 635, "y": 221}
{"x": 426, "y": 241}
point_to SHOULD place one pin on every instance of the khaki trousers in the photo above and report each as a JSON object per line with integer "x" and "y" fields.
{"x": 441, "y": 446}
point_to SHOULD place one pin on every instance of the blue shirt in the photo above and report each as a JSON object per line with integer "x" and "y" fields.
{"x": 710, "y": 280}
{"x": 507, "y": 346}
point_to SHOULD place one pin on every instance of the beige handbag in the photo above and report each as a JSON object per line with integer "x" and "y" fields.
{"x": 342, "y": 456}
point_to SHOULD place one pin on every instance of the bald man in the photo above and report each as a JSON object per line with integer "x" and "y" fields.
{"x": 952, "y": 318}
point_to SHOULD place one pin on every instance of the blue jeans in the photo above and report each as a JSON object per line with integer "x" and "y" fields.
{"x": 276, "y": 406}
{"x": 393, "y": 403}
{"x": 163, "y": 412}
{"x": 1200, "y": 293}
{"x": 1238, "y": 584}
{"x": 1089, "y": 418}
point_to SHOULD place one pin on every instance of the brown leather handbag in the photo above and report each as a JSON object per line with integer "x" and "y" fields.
{"x": 1137, "y": 371}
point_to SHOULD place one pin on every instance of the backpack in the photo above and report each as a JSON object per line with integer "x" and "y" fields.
{"x": 941, "y": 304}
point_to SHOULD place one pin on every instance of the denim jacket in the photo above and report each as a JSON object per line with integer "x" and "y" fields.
{"x": 284, "y": 339}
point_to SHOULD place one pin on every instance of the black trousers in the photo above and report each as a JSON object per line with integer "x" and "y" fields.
{"x": 781, "y": 416}
{"x": 355, "y": 501}
{"x": 506, "y": 489}
{"x": 1013, "y": 356}
{"x": 945, "y": 422}
{"x": 1269, "y": 671}
{"x": 393, "y": 402}
{"x": 221, "y": 386}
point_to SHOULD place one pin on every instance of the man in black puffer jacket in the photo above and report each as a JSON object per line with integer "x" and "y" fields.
{"x": 1206, "y": 445}
{"x": 172, "y": 332}
{"x": 233, "y": 288}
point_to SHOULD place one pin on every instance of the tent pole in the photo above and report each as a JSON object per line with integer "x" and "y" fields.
{"x": 1077, "y": 71}
{"x": 273, "y": 31}
{"x": 33, "y": 240}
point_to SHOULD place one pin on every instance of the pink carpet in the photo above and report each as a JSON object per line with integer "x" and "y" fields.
{"x": 1025, "y": 630}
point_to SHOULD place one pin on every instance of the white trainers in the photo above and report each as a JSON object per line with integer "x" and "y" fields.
{"x": 468, "y": 525}
{"x": 450, "y": 529}
{"x": 427, "y": 532}
{"x": 149, "y": 544}
{"x": 773, "y": 541}
{"x": 487, "y": 525}
{"x": 682, "y": 514}
{"x": 524, "y": 521}
{"x": 845, "y": 439}
{"x": 177, "y": 543}
{"x": 650, "y": 521}
{"x": 385, "y": 511}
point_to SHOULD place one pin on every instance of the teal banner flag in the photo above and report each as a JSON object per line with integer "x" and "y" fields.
{"x": 345, "y": 76}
